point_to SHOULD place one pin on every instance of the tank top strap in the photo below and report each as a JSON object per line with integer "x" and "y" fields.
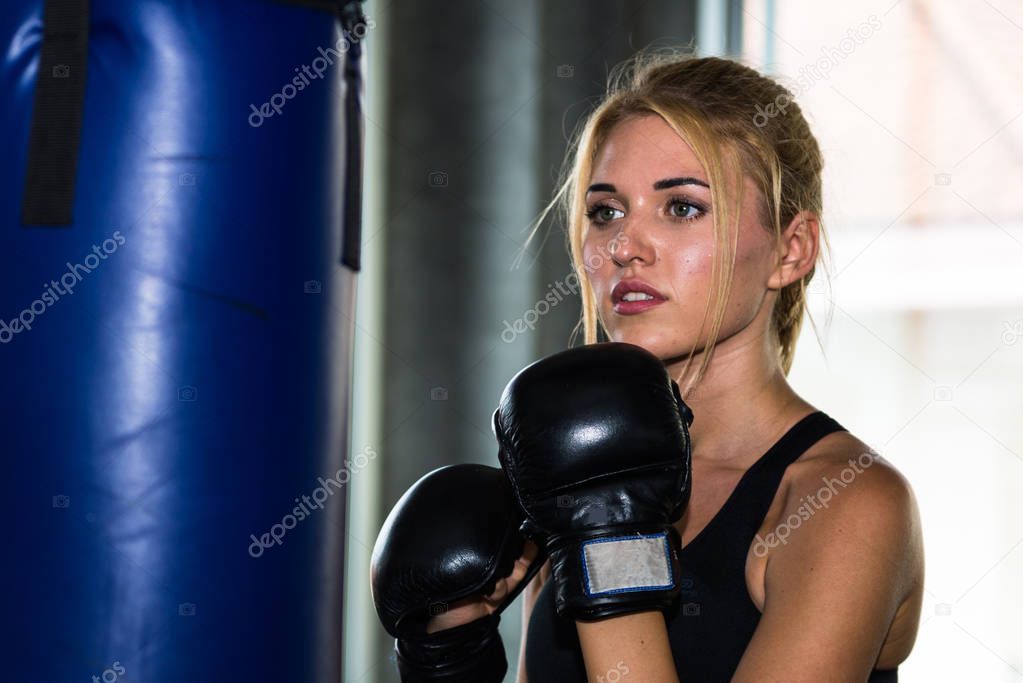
{"x": 738, "y": 520}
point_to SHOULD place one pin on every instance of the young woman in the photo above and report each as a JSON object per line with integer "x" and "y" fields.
{"x": 693, "y": 204}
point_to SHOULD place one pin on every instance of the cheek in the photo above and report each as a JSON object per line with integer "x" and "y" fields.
{"x": 749, "y": 282}
{"x": 752, "y": 264}
{"x": 692, "y": 281}
{"x": 690, "y": 273}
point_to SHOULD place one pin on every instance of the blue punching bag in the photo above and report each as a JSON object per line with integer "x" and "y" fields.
{"x": 180, "y": 207}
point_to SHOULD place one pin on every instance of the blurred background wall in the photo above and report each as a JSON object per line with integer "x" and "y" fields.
{"x": 917, "y": 107}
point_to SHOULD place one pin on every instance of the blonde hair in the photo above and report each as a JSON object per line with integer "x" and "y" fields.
{"x": 737, "y": 121}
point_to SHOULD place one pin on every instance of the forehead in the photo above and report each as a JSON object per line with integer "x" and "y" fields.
{"x": 643, "y": 147}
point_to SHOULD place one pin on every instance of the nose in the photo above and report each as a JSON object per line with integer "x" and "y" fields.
{"x": 630, "y": 244}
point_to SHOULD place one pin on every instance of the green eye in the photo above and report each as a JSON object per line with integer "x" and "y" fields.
{"x": 693, "y": 211}
{"x": 596, "y": 212}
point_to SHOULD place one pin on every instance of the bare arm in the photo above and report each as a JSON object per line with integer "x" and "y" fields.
{"x": 633, "y": 644}
{"x": 832, "y": 592}
{"x": 833, "y": 588}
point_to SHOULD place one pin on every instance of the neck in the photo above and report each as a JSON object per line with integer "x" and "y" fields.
{"x": 742, "y": 404}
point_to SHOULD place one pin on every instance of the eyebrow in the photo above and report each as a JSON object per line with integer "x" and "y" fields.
{"x": 659, "y": 185}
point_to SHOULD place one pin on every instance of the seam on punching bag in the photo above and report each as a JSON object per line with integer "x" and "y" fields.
{"x": 57, "y": 115}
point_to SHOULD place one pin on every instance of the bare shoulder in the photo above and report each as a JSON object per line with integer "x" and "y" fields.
{"x": 862, "y": 492}
{"x": 843, "y": 455}
{"x": 842, "y": 471}
{"x": 852, "y": 514}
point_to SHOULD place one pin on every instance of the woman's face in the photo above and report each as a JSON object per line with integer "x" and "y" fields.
{"x": 650, "y": 232}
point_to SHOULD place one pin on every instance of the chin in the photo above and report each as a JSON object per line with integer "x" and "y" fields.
{"x": 647, "y": 339}
{"x": 654, "y": 340}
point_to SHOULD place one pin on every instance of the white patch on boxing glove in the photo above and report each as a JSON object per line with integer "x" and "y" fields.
{"x": 623, "y": 564}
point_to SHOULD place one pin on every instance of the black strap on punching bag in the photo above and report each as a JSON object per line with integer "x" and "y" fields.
{"x": 350, "y": 14}
{"x": 57, "y": 115}
{"x": 351, "y": 244}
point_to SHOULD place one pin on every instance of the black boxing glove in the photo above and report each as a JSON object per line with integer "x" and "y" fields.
{"x": 595, "y": 441}
{"x": 452, "y": 535}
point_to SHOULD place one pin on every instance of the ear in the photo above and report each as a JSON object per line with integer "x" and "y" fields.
{"x": 797, "y": 251}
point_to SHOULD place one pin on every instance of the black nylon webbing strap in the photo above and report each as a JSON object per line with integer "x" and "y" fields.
{"x": 57, "y": 115}
{"x": 324, "y": 5}
{"x": 350, "y": 14}
{"x": 351, "y": 243}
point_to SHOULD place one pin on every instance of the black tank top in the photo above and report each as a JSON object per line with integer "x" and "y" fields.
{"x": 711, "y": 624}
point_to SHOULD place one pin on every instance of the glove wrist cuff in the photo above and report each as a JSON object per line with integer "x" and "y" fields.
{"x": 471, "y": 652}
{"x": 614, "y": 571}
